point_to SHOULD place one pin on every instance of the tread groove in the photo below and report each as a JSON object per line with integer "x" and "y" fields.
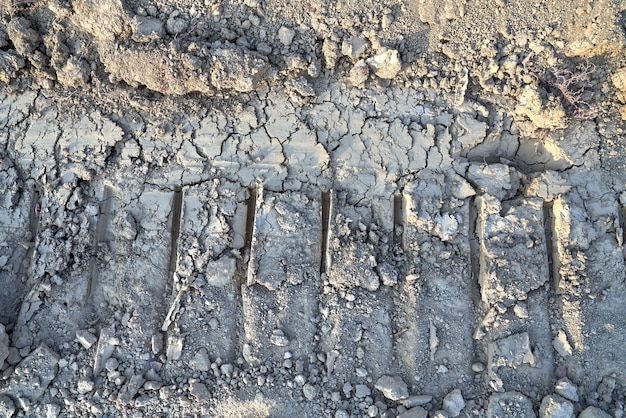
{"x": 553, "y": 259}
{"x": 177, "y": 214}
{"x": 102, "y": 221}
{"x": 399, "y": 219}
{"x": 326, "y": 209}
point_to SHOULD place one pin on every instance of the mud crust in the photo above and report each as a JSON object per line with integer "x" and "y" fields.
{"x": 266, "y": 208}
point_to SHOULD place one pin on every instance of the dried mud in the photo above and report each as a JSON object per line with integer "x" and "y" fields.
{"x": 262, "y": 208}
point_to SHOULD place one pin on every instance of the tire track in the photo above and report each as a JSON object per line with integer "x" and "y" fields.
{"x": 514, "y": 280}
{"x": 208, "y": 270}
{"x": 280, "y": 297}
{"x": 591, "y": 288}
{"x": 100, "y": 230}
{"x": 356, "y": 309}
{"x": 16, "y": 256}
{"x": 132, "y": 286}
{"x": 436, "y": 350}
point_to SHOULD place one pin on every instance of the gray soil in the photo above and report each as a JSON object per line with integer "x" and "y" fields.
{"x": 263, "y": 208}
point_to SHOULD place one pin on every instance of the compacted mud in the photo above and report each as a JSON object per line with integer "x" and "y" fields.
{"x": 262, "y": 208}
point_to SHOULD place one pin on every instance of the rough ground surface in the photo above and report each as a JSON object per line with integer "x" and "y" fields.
{"x": 263, "y": 208}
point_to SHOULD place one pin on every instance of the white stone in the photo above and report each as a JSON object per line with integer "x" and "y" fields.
{"x": 174, "y": 348}
{"x": 393, "y": 387}
{"x": 86, "y": 338}
{"x": 561, "y": 345}
{"x": 454, "y": 403}
{"x": 361, "y": 391}
{"x": 278, "y": 338}
{"x": 286, "y": 35}
{"x": 387, "y": 64}
{"x": 354, "y": 47}
{"x": 200, "y": 361}
{"x": 553, "y": 406}
{"x": 359, "y": 73}
{"x": 567, "y": 389}
{"x": 309, "y": 391}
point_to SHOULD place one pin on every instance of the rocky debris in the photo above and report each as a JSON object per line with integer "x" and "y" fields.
{"x": 561, "y": 345}
{"x": 74, "y": 73}
{"x": 354, "y": 47}
{"x": 130, "y": 389}
{"x": 454, "y": 403}
{"x": 176, "y": 24}
{"x": 511, "y": 351}
{"x": 199, "y": 391}
{"x": 544, "y": 115}
{"x": 593, "y": 412}
{"x": 106, "y": 345}
{"x": 105, "y": 20}
{"x": 513, "y": 249}
{"x": 331, "y": 52}
{"x": 111, "y": 365}
{"x": 416, "y": 400}
{"x": 386, "y": 64}
{"x": 604, "y": 39}
{"x": 159, "y": 71}
{"x": 606, "y": 387}
{"x": 32, "y": 376}
{"x": 478, "y": 367}
{"x": 350, "y": 274}
{"x": 440, "y": 11}
{"x": 387, "y": 273}
{"x": 361, "y": 391}
{"x": 52, "y": 410}
{"x": 278, "y": 338}
{"x": 24, "y": 38}
{"x": 619, "y": 82}
{"x": 174, "y": 347}
{"x": 226, "y": 67}
{"x": 10, "y": 64}
{"x": 152, "y": 384}
{"x": 86, "y": 338}
{"x": 359, "y": 73}
{"x": 392, "y": 387}
{"x": 553, "y": 406}
{"x": 299, "y": 89}
{"x": 286, "y": 35}
{"x": 7, "y": 407}
{"x": 566, "y": 389}
{"x": 14, "y": 356}
{"x": 4, "y": 345}
{"x": 84, "y": 386}
{"x": 548, "y": 185}
{"x": 498, "y": 180}
{"x": 146, "y": 29}
{"x": 510, "y": 404}
{"x": 309, "y": 391}
{"x": 237, "y": 69}
{"x": 200, "y": 361}
{"x": 156, "y": 343}
{"x": 415, "y": 412}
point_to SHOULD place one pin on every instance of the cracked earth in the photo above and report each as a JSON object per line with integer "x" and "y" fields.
{"x": 265, "y": 209}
